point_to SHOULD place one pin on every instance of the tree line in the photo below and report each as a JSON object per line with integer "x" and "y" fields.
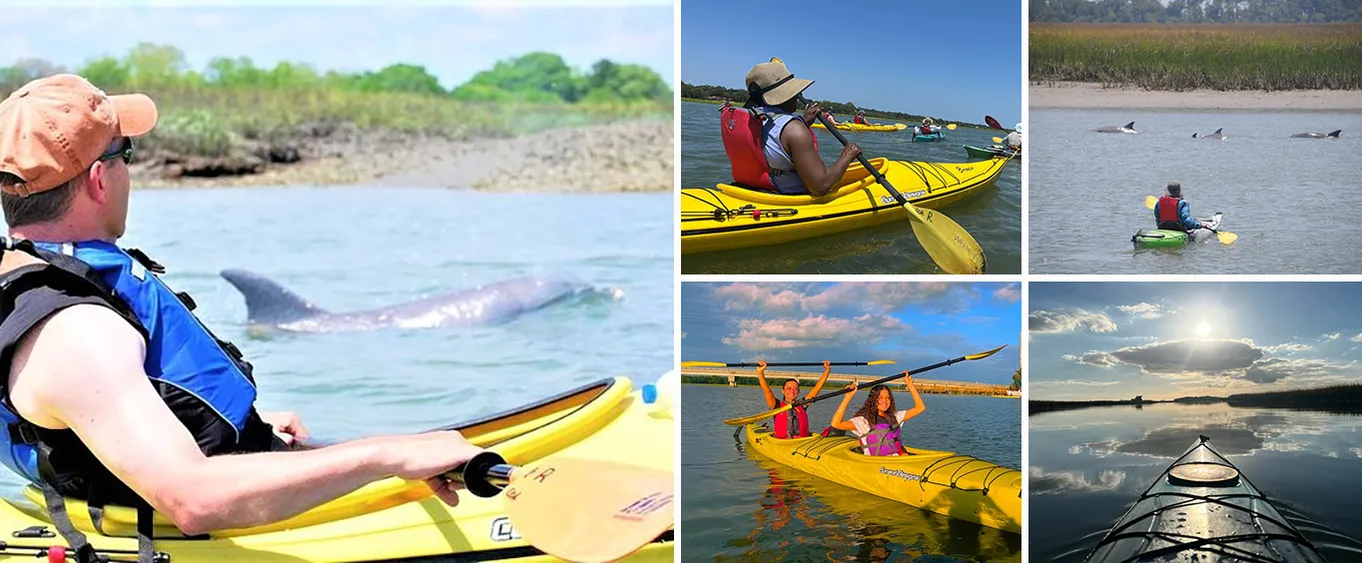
{"x": 534, "y": 77}
{"x": 1196, "y": 11}
{"x": 739, "y": 97}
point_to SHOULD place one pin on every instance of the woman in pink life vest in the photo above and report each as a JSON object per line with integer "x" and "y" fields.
{"x": 794, "y": 422}
{"x": 878, "y": 424}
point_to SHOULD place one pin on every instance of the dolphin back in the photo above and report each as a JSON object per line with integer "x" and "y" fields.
{"x": 267, "y": 302}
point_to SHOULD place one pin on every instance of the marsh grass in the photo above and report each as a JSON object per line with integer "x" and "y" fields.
{"x": 1200, "y": 56}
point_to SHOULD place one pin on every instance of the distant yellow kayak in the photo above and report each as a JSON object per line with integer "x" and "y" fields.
{"x": 857, "y": 128}
{"x": 958, "y": 486}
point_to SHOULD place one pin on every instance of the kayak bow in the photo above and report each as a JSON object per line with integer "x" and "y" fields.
{"x": 1202, "y": 509}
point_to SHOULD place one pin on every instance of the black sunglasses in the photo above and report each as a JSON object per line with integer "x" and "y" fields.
{"x": 124, "y": 150}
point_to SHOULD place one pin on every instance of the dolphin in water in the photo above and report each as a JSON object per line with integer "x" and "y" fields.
{"x": 273, "y": 305}
{"x": 1127, "y": 128}
{"x": 1333, "y": 135}
{"x": 1215, "y": 136}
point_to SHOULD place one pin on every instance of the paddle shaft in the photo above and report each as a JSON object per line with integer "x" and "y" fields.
{"x": 795, "y": 364}
{"x": 485, "y": 475}
{"x": 884, "y": 379}
{"x": 859, "y": 158}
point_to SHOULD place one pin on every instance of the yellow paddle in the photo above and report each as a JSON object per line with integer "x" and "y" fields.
{"x": 754, "y": 418}
{"x": 577, "y": 509}
{"x": 949, "y": 244}
{"x": 998, "y": 140}
{"x": 1225, "y": 237}
{"x": 951, "y": 127}
{"x": 697, "y": 364}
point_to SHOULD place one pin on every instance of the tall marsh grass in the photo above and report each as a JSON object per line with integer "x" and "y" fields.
{"x": 1200, "y": 56}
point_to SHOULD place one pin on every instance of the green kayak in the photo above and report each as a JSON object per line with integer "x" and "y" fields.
{"x": 1201, "y": 509}
{"x": 1164, "y": 238}
{"x": 990, "y": 152}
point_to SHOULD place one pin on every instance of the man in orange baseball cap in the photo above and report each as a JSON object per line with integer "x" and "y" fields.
{"x": 114, "y": 392}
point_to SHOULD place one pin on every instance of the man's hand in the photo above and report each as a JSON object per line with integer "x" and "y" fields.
{"x": 287, "y": 426}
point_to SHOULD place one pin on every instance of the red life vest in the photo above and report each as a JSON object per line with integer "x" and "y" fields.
{"x": 782, "y": 424}
{"x": 740, "y": 129}
{"x": 1168, "y": 211}
{"x": 860, "y": 120}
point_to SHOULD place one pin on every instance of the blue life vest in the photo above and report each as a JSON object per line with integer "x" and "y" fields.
{"x": 204, "y": 380}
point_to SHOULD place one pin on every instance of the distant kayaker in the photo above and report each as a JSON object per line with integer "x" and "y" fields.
{"x": 772, "y": 149}
{"x": 878, "y": 424}
{"x": 113, "y": 390}
{"x": 1013, "y": 140}
{"x": 1173, "y": 213}
{"x": 860, "y": 118}
{"x": 927, "y": 128}
{"x": 796, "y": 418}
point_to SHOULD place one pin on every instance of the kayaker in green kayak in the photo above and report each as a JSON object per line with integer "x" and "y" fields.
{"x": 796, "y": 418}
{"x": 878, "y": 423}
{"x": 769, "y": 147}
{"x": 114, "y": 392}
{"x": 1173, "y": 213}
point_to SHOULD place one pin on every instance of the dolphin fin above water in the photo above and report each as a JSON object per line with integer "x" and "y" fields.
{"x": 269, "y": 303}
{"x": 1333, "y": 135}
{"x": 1127, "y": 128}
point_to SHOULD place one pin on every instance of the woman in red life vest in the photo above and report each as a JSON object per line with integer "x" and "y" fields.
{"x": 1173, "y": 213}
{"x": 860, "y": 118}
{"x": 771, "y": 148}
{"x": 878, "y": 423}
{"x": 793, "y": 423}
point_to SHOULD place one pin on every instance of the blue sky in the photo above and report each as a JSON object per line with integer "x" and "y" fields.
{"x": 914, "y": 324}
{"x": 954, "y": 60}
{"x": 1168, "y": 340}
{"x": 453, "y": 40}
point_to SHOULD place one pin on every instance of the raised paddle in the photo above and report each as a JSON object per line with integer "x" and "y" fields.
{"x": 1224, "y": 236}
{"x": 993, "y": 122}
{"x": 697, "y": 364}
{"x": 577, "y": 509}
{"x": 750, "y": 419}
{"x": 949, "y": 244}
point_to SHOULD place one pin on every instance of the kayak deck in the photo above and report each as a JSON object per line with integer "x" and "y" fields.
{"x": 730, "y": 216}
{"x": 954, "y": 485}
{"x": 1202, "y": 509}
{"x": 1165, "y": 238}
{"x": 394, "y": 519}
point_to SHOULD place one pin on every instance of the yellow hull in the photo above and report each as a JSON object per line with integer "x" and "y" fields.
{"x": 395, "y": 519}
{"x": 723, "y": 218}
{"x": 958, "y": 486}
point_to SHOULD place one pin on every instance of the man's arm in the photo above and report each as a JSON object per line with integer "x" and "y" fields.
{"x": 101, "y": 392}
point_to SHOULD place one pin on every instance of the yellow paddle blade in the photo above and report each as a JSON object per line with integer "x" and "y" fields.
{"x": 949, "y": 244}
{"x": 1226, "y": 238}
{"x": 702, "y": 364}
{"x": 1150, "y": 201}
{"x": 998, "y": 139}
{"x": 951, "y": 127}
{"x": 612, "y": 509}
{"x": 880, "y": 362}
{"x": 744, "y": 421}
{"x": 982, "y": 355}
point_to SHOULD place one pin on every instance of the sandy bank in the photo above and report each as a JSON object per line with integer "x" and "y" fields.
{"x": 1095, "y": 96}
{"x": 630, "y": 156}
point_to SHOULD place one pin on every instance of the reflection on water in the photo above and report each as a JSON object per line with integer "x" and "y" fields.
{"x": 742, "y": 506}
{"x": 1097, "y": 461}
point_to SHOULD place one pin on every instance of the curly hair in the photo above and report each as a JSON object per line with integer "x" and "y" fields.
{"x": 870, "y": 410}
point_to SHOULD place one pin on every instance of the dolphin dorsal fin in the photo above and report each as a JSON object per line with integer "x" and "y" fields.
{"x": 269, "y": 302}
{"x": 1217, "y": 131}
{"x": 1130, "y": 125}
{"x": 1335, "y": 133}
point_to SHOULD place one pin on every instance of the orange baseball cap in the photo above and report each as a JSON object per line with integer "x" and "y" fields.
{"x": 54, "y": 128}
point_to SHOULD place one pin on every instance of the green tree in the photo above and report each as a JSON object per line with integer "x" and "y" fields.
{"x": 401, "y": 78}
{"x": 107, "y": 73}
{"x": 150, "y": 65}
{"x": 535, "y": 76}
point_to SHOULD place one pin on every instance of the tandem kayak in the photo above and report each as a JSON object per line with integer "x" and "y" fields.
{"x": 989, "y": 152}
{"x": 394, "y": 519}
{"x": 858, "y": 128}
{"x": 1202, "y": 509}
{"x": 958, "y": 486}
{"x": 728, "y": 216}
{"x": 1164, "y": 238}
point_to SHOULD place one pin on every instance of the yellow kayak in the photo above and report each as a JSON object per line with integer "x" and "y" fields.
{"x": 395, "y": 519}
{"x": 858, "y": 128}
{"x": 727, "y": 216}
{"x": 958, "y": 486}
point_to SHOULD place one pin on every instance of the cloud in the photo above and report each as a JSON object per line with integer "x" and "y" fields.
{"x": 1068, "y": 382}
{"x": 1334, "y": 336}
{"x": 1289, "y": 347}
{"x": 866, "y": 297}
{"x": 1048, "y": 322}
{"x": 1357, "y": 338}
{"x": 757, "y": 334}
{"x": 1188, "y": 356}
{"x": 1142, "y": 310}
{"x": 1010, "y": 293}
{"x": 1043, "y": 483}
{"x": 1269, "y": 370}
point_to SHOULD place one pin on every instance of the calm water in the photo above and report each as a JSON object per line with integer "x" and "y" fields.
{"x": 1088, "y": 466}
{"x": 355, "y": 248}
{"x": 1295, "y": 203}
{"x": 740, "y": 506}
{"x": 992, "y": 216}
